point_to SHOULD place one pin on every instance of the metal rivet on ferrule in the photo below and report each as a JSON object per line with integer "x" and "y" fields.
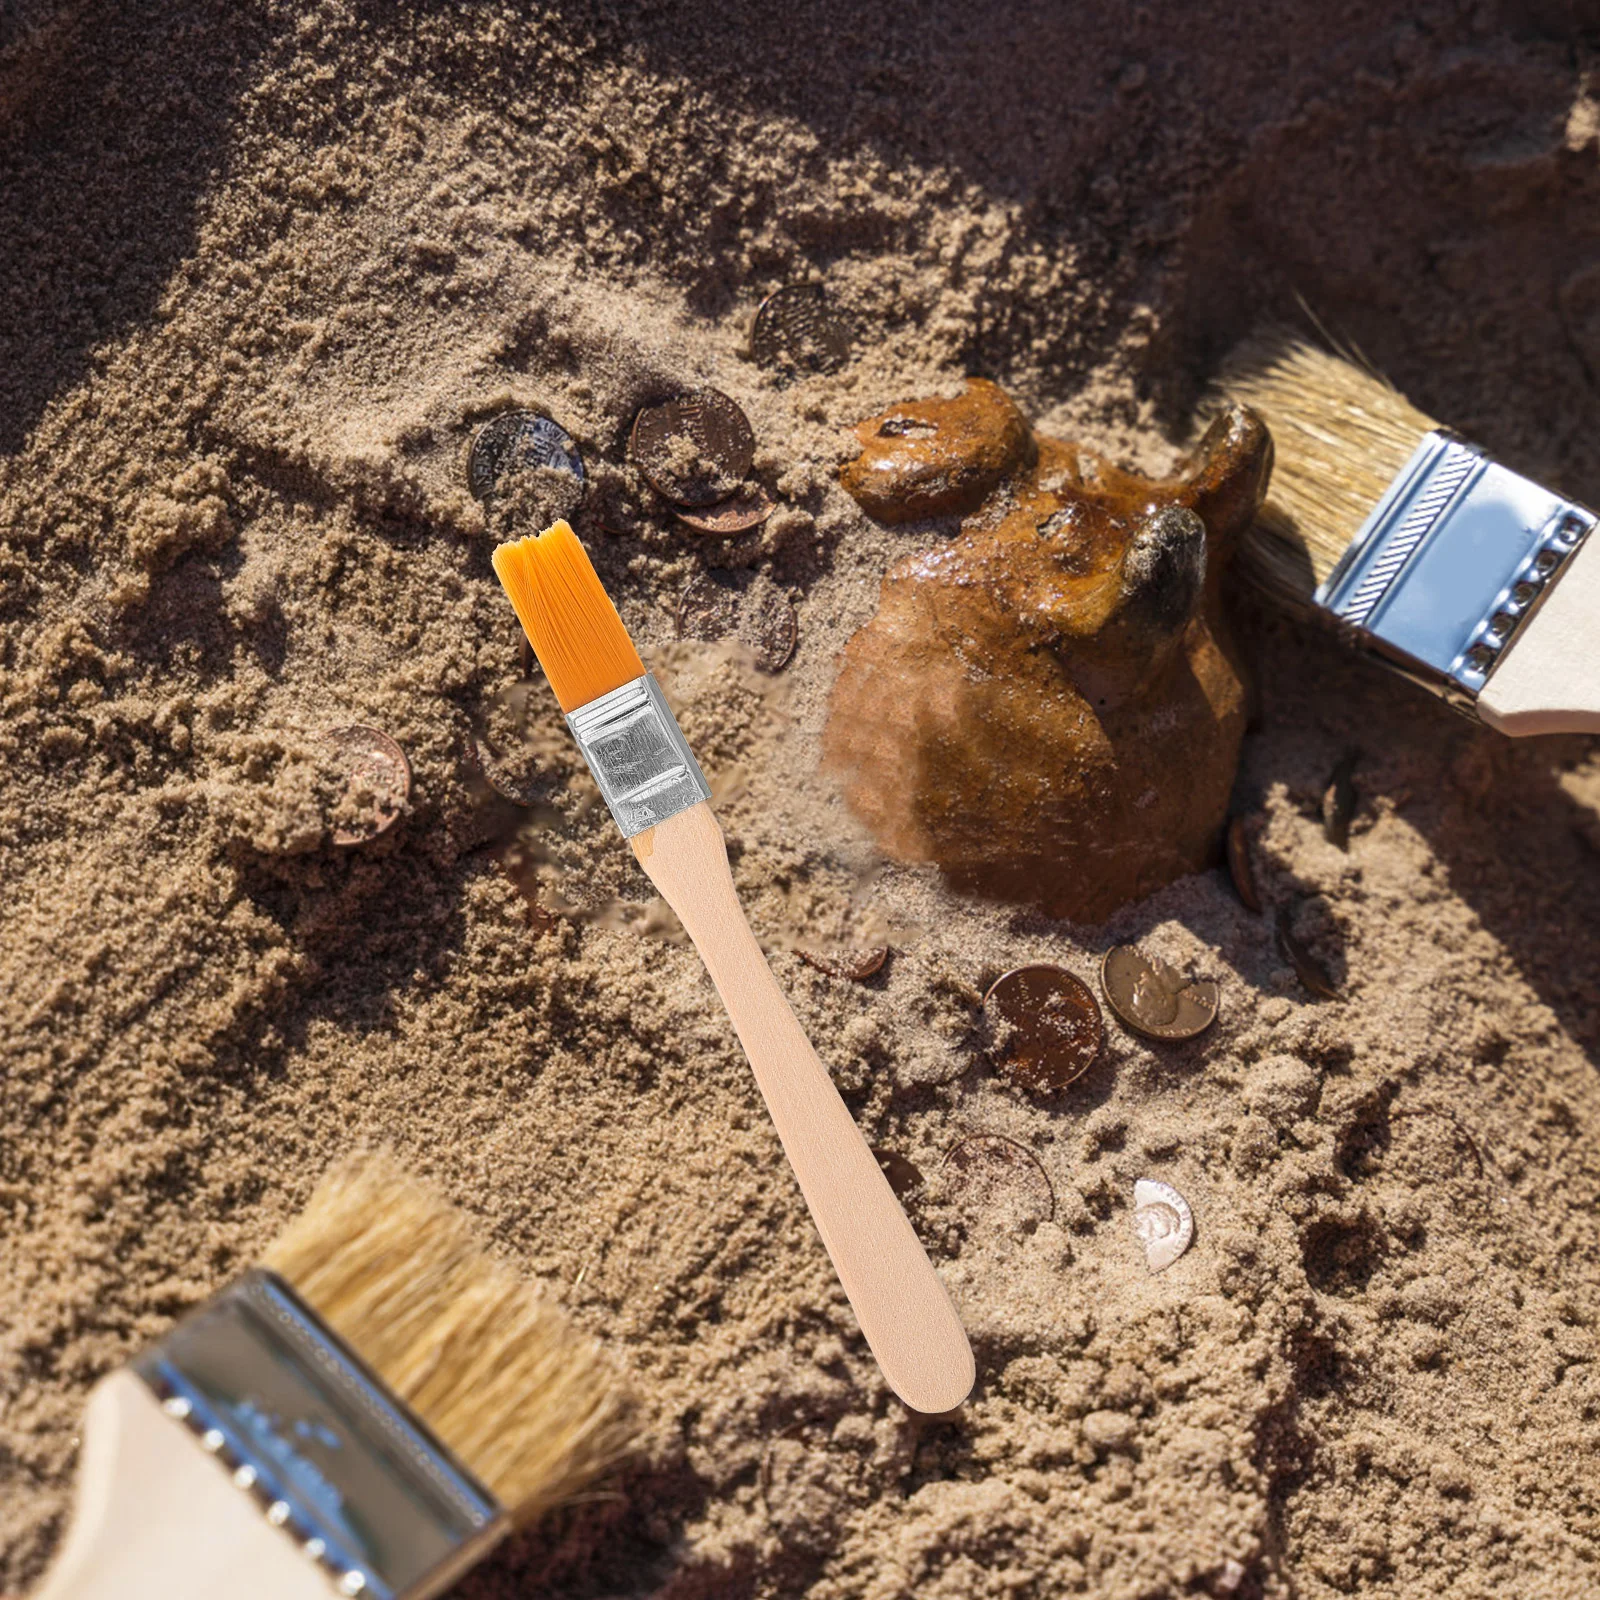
{"x": 245, "y": 1477}
{"x": 212, "y": 1439}
{"x": 278, "y": 1513}
{"x": 177, "y": 1407}
{"x": 314, "y": 1549}
{"x": 352, "y": 1582}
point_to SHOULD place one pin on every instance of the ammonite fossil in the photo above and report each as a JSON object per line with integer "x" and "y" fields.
{"x": 1046, "y": 706}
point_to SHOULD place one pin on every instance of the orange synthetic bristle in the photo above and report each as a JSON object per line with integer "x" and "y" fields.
{"x": 567, "y": 615}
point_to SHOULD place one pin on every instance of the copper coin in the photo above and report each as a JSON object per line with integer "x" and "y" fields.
{"x": 1241, "y": 868}
{"x": 1153, "y": 998}
{"x": 377, "y": 777}
{"x": 796, "y": 330}
{"x": 739, "y": 513}
{"x": 519, "y": 441}
{"x": 716, "y": 606}
{"x": 1339, "y": 801}
{"x": 695, "y": 448}
{"x": 903, "y": 1174}
{"x": 708, "y": 608}
{"x": 1050, "y": 1027}
{"x": 857, "y": 965}
{"x": 999, "y": 1179}
{"x": 1307, "y": 968}
{"x": 768, "y": 624}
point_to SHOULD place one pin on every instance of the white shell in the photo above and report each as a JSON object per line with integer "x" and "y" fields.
{"x": 1163, "y": 1221}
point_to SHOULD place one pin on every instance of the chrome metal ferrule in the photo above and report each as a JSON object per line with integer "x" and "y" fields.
{"x": 344, "y": 1469}
{"x": 1450, "y": 565}
{"x": 638, "y": 755}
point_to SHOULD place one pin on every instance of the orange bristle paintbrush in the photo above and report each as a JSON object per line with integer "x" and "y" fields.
{"x": 659, "y": 799}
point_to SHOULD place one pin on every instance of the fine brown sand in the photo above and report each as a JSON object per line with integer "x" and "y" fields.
{"x": 265, "y": 267}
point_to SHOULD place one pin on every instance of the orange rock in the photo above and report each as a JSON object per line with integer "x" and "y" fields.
{"x": 1046, "y": 706}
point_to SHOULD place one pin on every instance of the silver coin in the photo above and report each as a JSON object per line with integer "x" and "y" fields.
{"x": 519, "y": 441}
{"x": 1163, "y": 1221}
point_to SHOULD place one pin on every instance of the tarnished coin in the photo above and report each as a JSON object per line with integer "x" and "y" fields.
{"x": 796, "y": 330}
{"x": 520, "y": 441}
{"x": 857, "y": 965}
{"x": 377, "y": 781}
{"x": 1241, "y": 867}
{"x": 1307, "y": 968}
{"x": 1163, "y": 1221}
{"x": 999, "y": 1180}
{"x": 695, "y": 448}
{"x": 1049, "y": 1026}
{"x": 720, "y": 606}
{"x": 770, "y": 627}
{"x": 1339, "y": 801}
{"x": 903, "y": 1173}
{"x": 708, "y": 608}
{"x": 1153, "y": 998}
{"x": 742, "y": 511}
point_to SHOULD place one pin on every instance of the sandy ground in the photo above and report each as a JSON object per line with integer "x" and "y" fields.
{"x": 266, "y": 267}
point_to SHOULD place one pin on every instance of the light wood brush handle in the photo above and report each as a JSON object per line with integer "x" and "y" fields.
{"x": 902, "y": 1307}
{"x": 158, "y": 1519}
{"x": 1549, "y": 681}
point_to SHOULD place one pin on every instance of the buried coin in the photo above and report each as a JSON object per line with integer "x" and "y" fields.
{"x": 739, "y": 513}
{"x": 1240, "y": 866}
{"x": 1163, "y": 1221}
{"x": 695, "y": 448}
{"x": 520, "y": 441}
{"x": 795, "y": 328}
{"x": 1307, "y": 968}
{"x": 1153, "y": 998}
{"x": 1049, "y": 1027}
{"x": 377, "y": 779}
{"x": 903, "y": 1173}
{"x": 759, "y": 614}
{"x": 856, "y": 965}
{"x": 1339, "y": 801}
{"x": 999, "y": 1179}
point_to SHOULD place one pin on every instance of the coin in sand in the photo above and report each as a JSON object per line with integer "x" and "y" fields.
{"x": 708, "y": 608}
{"x": 376, "y": 774}
{"x": 903, "y": 1173}
{"x": 739, "y": 513}
{"x": 796, "y": 328}
{"x": 1241, "y": 868}
{"x": 520, "y": 441}
{"x": 998, "y": 1179}
{"x": 856, "y": 965}
{"x": 1049, "y": 1026}
{"x": 1163, "y": 1221}
{"x": 695, "y": 448}
{"x": 1307, "y": 968}
{"x": 760, "y": 614}
{"x": 1153, "y": 998}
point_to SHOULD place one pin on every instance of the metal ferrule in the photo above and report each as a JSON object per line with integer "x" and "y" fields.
{"x": 1452, "y": 562}
{"x": 638, "y": 755}
{"x": 331, "y": 1457}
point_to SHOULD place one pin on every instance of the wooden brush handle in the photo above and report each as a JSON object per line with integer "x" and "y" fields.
{"x": 159, "y": 1519}
{"x": 1549, "y": 681}
{"x": 899, "y": 1301}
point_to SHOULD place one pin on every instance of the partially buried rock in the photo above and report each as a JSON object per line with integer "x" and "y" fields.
{"x": 1046, "y": 706}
